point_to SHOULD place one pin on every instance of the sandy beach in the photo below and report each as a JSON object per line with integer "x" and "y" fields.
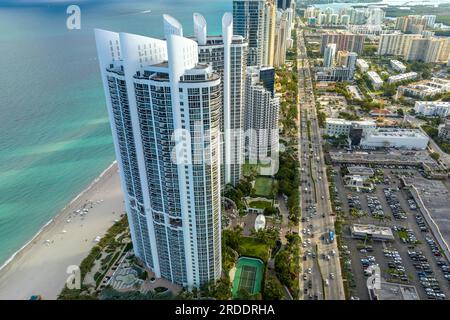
{"x": 40, "y": 267}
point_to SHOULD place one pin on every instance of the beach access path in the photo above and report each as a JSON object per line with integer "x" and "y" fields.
{"x": 40, "y": 267}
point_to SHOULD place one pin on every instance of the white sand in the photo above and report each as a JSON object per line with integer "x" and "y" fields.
{"x": 40, "y": 268}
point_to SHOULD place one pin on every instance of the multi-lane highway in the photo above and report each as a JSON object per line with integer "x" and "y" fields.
{"x": 321, "y": 278}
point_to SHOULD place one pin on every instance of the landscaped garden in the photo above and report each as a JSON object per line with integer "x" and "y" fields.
{"x": 254, "y": 247}
{"x": 260, "y": 204}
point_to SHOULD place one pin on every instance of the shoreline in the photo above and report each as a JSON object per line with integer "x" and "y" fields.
{"x": 57, "y": 216}
{"x": 63, "y": 240}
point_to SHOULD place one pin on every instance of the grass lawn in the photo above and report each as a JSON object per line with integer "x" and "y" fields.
{"x": 252, "y": 247}
{"x": 263, "y": 186}
{"x": 260, "y": 204}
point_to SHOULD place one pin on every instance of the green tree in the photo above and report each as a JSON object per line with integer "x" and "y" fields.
{"x": 270, "y": 211}
{"x": 273, "y": 290}
{"x": 244, "y": 294}
{"x": 435, "y": 156}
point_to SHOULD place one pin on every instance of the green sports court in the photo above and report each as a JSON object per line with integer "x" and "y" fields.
{"x": 249, "y": 272}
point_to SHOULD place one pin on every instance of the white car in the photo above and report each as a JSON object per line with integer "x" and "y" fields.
{"x": 309, "y": 271}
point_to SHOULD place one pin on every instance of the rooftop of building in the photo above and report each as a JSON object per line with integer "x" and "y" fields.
{"x": 373, "y": 230}
{"x": 362, "y": 61}
{"x": 398, "y": 133}
{"x": 398, "y": 63}
{"x": 349, "y": 122}
{"x": 159, "y": 72}
{"x": 395, "y": 291}
{"x": 403, "y": 75}
{"x": 433, "y": 103}
{"x": 360, "y": 170}
{"x": 374, "y": 76}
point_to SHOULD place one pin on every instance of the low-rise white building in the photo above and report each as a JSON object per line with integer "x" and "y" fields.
{"x": 397, "y": 66}
{"x": 403, "y": 77}
{"x": 444, "y": 131}
{"x": 362, "y": 65}
{"x": 362, "y": 231}
{"x": 338, "y": 127}
{"x": 432, "y": 108}
{"x": 424, "y": 89}
{"x": 396, "y": 138}
{"x": 375, "y": 79}
{"x": 358, "y": 182}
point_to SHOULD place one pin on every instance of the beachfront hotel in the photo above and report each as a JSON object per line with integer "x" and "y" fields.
{"x": 164, "y": 107}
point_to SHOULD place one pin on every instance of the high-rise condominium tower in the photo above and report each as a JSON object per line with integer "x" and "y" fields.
{"x": 329, "y": 54}
{"x": 269, "y": 32}
{"x": 261, "y": 114}
{"x": 164, "y": 109}
{"x": 344, "y": 41}
{"x": 249, "y": 21}
{"x": 228, "y": 56}
{"x": 281, "y": 38}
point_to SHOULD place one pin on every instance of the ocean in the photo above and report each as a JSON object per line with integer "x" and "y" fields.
{"x": 54, "y": 132}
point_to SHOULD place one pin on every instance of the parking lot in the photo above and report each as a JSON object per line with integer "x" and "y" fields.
{"x": 413, "y": 258}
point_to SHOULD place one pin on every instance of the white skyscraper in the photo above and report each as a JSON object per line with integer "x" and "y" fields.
{"x": 164, "y": 109}
{"x": 322, "y": 19}
{"x": 375, "y": 16}
{"x": 329, "y": 54}
{"x": 261, "y": 114}
{"x": 281, "y": 38}
{"x": 228, "y": 56}
{"x": 345, "y": 19}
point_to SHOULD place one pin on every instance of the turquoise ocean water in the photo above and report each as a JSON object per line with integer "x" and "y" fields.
{"x": 54, "y": 131}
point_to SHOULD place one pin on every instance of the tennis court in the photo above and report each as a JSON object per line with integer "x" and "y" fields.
{"x": 248, "y": 275}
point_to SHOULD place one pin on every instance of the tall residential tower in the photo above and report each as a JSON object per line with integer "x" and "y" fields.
{"x": 228, "y": 56}
{"x": 164, "y": 109}
{"x": 261, "y": 115}
{"x": 249, "y": 21}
